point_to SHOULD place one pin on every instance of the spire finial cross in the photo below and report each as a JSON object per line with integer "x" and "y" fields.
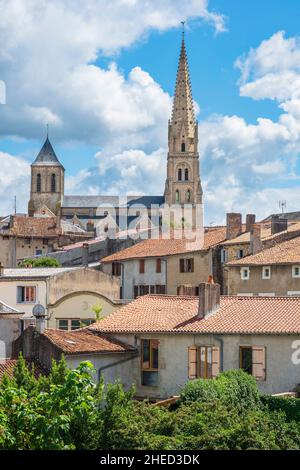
{"x": 47, "y": 127}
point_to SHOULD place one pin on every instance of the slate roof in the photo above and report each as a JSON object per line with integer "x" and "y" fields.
{"x": 85, "y": 341}
{"x": 110, "y": 201}
{"x": 287, "y": 252}
{"x": 178, "y": 314}
{"x": 47, "y": 156}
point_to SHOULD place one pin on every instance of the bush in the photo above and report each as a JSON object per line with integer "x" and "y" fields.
{"x": 290, "y": 406}
{"x": 234, "y": 388}
{"x": 41, "y": 262}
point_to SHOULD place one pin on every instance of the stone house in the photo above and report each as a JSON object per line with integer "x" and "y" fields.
{"x": 26, "y": 237}
{"x": 68, "y": 294}
{"x": 175, "y": 339}
{"x": 162, "y": 266}
{"x": 273, "y": 271}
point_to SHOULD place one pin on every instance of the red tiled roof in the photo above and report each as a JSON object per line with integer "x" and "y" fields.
{"x": 84, "y": 341}
{"x": 176, "y": 314}
{"x": 35, "y": 227}
{"x": 161, "y": 247}
{"x": 7, "y": 367}
{"x": 287, "y": 252}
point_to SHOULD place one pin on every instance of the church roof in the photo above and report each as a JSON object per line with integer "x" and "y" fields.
{"x": 183, "y": 107}
{"x": 110, "y": 201}
{"x": 47, "y": 156}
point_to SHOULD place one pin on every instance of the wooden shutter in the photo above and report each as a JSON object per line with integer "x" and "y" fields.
{"x": 215, "y": 362}
{"x": 142, "y": 266}
{"x": 181, "y": 265}
{"x": 158, "y": 265}
{"x": 259, "y": 363}
{"x": 192, "y": 362}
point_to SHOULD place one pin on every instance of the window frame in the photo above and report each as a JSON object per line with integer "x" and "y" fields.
{"x": 263, "y": 274}
{"x": 294, "y": 275}
{"x": 197, "y": 349}
{"x": 243, "y": 269}
{"x": 150, "y": 369}
{"x": 253, "y": 349}
{"x": 22, "y": 286}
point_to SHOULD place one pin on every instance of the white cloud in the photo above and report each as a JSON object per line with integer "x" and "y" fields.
{"x": 14, "y": 181}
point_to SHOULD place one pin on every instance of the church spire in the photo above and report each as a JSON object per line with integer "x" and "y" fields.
{"x": 183, "y": 115}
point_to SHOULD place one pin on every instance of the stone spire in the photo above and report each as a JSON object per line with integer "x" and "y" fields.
{"x": 183, "y": 115}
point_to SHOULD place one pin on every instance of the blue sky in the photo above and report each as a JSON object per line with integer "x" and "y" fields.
{"x": 108, "y": 123}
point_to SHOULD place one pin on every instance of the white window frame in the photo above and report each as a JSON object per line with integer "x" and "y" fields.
{"x": 25, "y": 286}
{"x": 294, "y": 275}
{"x": 263, "y": 273}
{"x": 243, "y": 270}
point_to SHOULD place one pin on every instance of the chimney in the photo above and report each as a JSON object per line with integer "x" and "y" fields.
{"x": 39, "y": 314}
{"x": 233, "y": 225}
{"x": 250, "y": 220}
{"x": 85, "y": 254}
{"x": 209, "y": 299}
{"x": 90, "y": 226}
{"x": 278, "y": 224}
{"x": 255, "y": 239}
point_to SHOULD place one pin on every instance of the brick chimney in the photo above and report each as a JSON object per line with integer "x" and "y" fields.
{"x": 278, "y": 224}
{"x": 209, "y": 299}
{"x": 250, "y": 220}
{"x": 233, "y": 225}
{"x": 255, "y": 239}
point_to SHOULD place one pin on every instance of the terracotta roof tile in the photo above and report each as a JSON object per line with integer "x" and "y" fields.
{"x": 287, "y": 252}
{"x": 34, "y": 227}
{"x": 84, "y": 341}
{"x": 176, "y": 314}
{"x": 7, "y": 367}
{"x": 162, "y": 247}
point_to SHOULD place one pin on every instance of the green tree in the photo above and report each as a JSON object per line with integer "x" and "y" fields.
{"x": 41, "y": 262}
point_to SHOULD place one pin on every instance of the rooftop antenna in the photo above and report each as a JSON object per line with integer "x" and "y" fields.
{"x": 282, "y": 206}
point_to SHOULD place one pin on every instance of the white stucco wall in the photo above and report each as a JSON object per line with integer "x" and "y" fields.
{"x": 131, "y": 275}
{"x": 10, "y": 329}
{"x": 8, "y": 293}
{"x": 281, "y": 374}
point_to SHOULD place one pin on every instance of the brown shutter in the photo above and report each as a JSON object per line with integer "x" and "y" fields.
{"x": 192, "y": 362}
{"x": 215, "y": 362}
{"x": 181, "y": 265}
{"x": 158, "y": 265}
{"x": 142, "y": 266}
{"x": 259, "y": 363}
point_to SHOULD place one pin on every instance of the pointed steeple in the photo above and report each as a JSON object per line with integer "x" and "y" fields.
{"x": 183, "y": 116}
{"x": 47, "y": 155}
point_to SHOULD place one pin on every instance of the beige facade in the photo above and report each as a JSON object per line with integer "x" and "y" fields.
{"x": 65, "y": 293}
{"x": 281, "y": 280}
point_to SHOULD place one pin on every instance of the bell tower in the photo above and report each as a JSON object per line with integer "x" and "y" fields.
{"x": 47, "y": 180}
{"x": 183, "y": 184}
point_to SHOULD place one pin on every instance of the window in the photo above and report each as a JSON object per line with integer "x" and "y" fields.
{"x": 239, "y": 254}
{"x": 116, "y": 269}
{"x": 63, "y": 325}
{"x": 142, "y": 266}
{"x": 53, "y": 183}
{"x": 186, "y": 265}
{"x": 245, "y": 274}
{"x": 38, "y": 252}
{"x": 224, "y": 255}
{"x": 183, "y": 147}
{"x": 266, "y": 272}
{"x": 139, "y": 290}
{"x": 177, "y": 196}
{"x": 186, "y": 174}
{"x": 179, "y": 174}
{"x": 144, "y": 290}
{"x": 188, "y": 196}
{"x": 158, "y": 265}
{"x": 296, "y": 271}
{"x": 26, "y": 294}
{"x": 68, "y": 324}
{"x": 160, "y": 289}
{"x": 253, "y": 361}
{"x": 38, "y": 183}
{"x": 204, "y": 362}
{"x": 150, "y": 362}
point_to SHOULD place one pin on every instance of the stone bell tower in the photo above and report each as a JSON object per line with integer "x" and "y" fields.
{"x": 183, "y": 184}
{"x": 47, "y": 181}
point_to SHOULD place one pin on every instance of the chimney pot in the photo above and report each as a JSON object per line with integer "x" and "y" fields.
{"x": 209, "y": 299}
{"x": 233, "y": 225}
